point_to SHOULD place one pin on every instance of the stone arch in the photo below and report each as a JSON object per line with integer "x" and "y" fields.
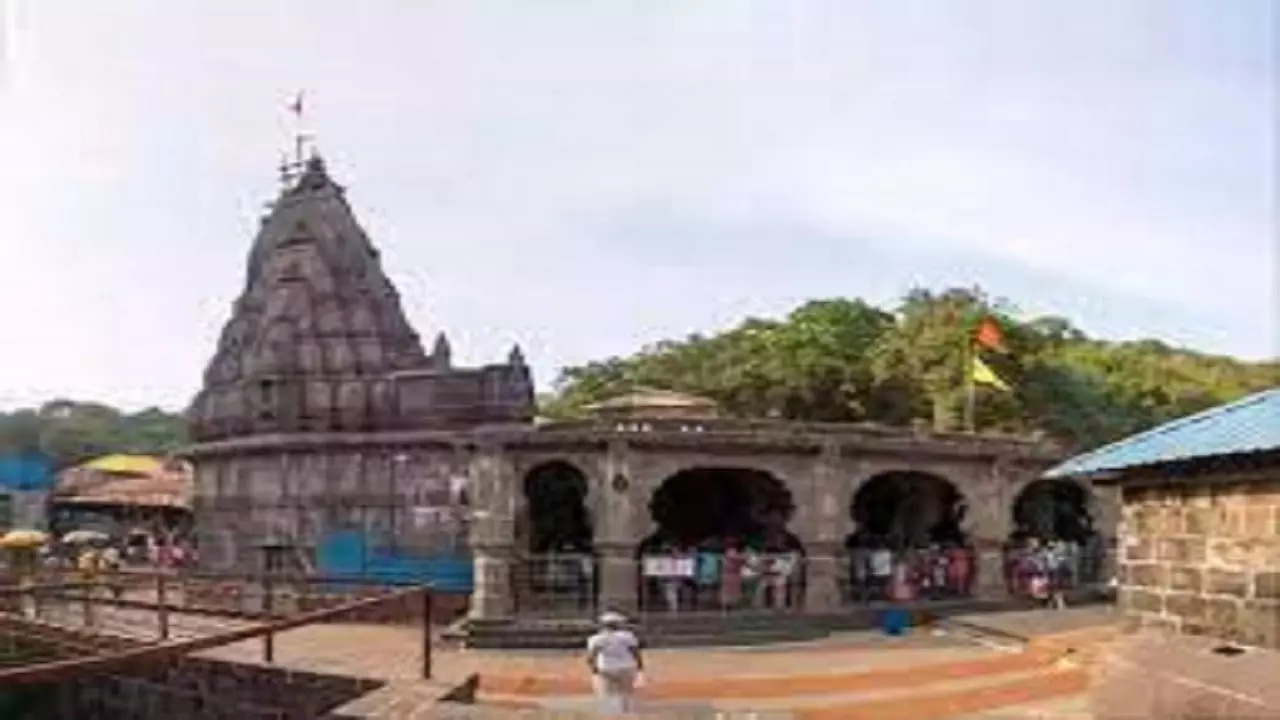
{"x": 711, "y": 519}
{"x": 556, "y": 516}
{"x": 908, "y": 508}
{"x": 709, "y": 505}
{"x": 1054, "y": 508}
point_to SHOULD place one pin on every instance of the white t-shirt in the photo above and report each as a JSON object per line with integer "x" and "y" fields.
{"x": 613, "y": 649}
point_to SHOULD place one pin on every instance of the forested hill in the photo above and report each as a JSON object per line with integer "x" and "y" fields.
{"x": 846, "y": 360}
{"x": 71, "y": 432}
{"x": 829, "y": 360}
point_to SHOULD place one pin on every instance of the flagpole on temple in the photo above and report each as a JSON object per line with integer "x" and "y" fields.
{"x": 970, "y": 386}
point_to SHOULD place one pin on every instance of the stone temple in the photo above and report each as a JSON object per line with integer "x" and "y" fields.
{"x": 322, "y": 415}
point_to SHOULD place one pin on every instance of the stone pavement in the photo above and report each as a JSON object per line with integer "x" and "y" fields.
{"x": 393, "y": 654}
{"x": 1026, "y": 624}
{"x": 390, "y": 652}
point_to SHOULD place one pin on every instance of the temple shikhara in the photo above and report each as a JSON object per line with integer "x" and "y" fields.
{"x": 327, "y": 439}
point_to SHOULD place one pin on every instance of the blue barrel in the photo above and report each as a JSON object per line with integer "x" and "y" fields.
{"x": 895, "y": 621}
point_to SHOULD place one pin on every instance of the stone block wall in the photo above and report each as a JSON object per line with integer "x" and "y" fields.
{"x": 1203, "y": 558}
{"x": 197, "y": 688}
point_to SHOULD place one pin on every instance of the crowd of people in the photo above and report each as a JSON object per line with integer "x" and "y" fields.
{"x": 722, "y": 575}
{"x": 1045, "y": 568}
{"x": 936, "y": 571}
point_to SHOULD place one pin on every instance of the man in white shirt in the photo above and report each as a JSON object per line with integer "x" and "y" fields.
{"x": 613, "y": 654}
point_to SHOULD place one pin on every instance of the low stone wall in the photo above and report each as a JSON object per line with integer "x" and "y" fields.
{"x": 186, "y": 688}
{"x": 198, "y": 688}
{"x": 1203, "y": 558}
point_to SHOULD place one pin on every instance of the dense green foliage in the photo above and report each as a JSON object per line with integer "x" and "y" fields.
{"x": 845, "y": 360}
{"x": 71, "y": 432}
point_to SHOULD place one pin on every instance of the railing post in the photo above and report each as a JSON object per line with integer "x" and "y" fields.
{"x": 268, "y": 640}
{"x": 88, "y": 589}
{"x": 426, "y": 632}
{"x": 162, "y": 603}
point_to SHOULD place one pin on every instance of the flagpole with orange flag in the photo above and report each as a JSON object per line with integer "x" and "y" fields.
{"x": 987, "y": 335}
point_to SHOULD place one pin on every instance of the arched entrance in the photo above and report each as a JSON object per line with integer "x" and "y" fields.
{"x": 557, "y": 568}
{"x": 721, "y": 543}
{"x": 1053, "y": 517}
{"x": 908, "y": 539}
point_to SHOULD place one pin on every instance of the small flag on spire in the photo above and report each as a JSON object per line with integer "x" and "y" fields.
{"x": 295, "y": 107}
{"x": 984, "y": 375}
{"x": 989, "y": 335}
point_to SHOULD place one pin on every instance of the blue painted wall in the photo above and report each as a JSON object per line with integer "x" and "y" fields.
{"x": 346, "y": 554}
{"x": 26, "y": 471}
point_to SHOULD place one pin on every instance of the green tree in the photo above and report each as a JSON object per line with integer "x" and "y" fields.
{"x": 843, "y": 359}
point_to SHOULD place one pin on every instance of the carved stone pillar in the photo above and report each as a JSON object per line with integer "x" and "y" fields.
{"x": 492, "y": 535}
{"x": 619, "y": 505}
{"x": 822, "y": 533}
{"x": 988, "y": 522}
{"x": 1105, "y": 508}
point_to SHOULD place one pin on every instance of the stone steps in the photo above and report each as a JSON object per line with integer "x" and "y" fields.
{"x": 701, "y": 629}
{"x": 927, "y": 692}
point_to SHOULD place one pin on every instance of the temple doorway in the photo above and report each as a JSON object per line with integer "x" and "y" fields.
{"x": 908, "y": 540}
{"x": 1053, "y": 526}
{"x": 1053, "y": 509}
{"x": 721, "y": 543}
{"x": 556, "y": 572}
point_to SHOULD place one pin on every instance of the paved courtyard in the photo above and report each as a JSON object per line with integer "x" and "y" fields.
{"x": 557, "y": 679}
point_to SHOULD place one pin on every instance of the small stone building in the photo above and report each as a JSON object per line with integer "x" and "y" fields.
{"x": 1199, "y": 559}
{"x": 123, "y": 495}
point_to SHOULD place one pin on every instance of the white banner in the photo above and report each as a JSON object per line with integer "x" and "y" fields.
{"x": 667, "y": 566}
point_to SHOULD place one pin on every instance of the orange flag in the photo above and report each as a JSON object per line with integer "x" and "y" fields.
{"x": 990, "y": 336}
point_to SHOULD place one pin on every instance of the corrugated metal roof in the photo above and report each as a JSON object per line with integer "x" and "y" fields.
{"x": 1248, "y": 425}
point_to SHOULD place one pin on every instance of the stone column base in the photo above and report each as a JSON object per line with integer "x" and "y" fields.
{"x": 619, "y": 575}
{"x": 491, "y": 594}
{"x": 822, "y": 581}
{"x": 990, "y": 583}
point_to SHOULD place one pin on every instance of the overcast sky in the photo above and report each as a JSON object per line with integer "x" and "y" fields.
{"x": 587, "y": 177}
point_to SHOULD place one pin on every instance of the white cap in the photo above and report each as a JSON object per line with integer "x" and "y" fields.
{"x": 613, "y": 618}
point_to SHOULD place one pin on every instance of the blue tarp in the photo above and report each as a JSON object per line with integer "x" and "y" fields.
{"x": 346, "y": 554}
{"x": 26, "y": 472}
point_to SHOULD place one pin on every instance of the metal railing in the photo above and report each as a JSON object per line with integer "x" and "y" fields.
{"x": 1075, "y": 569}
{"x": 878, "y": 575}
{"x": 147, "y": 608}
{"x": 556, "y": 584}
{"x": 705, "y": 582}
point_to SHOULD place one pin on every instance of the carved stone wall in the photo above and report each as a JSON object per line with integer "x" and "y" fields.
{"x": 296, "y": 497}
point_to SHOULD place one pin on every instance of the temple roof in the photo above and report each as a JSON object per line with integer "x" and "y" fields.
{"x": 127, "y": 480}
{"x": 316, "y": 300}
{"x": 657, "y": 400}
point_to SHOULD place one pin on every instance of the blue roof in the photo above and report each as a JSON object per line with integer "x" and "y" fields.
{"x": 1247, "y": 426}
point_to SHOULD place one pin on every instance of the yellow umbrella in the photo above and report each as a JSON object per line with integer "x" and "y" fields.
{"x": 23, "y": 539}
{"x": 126, "y": 464}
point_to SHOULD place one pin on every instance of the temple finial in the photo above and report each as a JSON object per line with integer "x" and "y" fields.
{"x": 442, "y": 353}
{"x": 292, "y": 169}
{"x": 516, "y": 357}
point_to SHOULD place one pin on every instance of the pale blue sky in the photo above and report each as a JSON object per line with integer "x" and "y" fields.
{"x": 587, "y": 177}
